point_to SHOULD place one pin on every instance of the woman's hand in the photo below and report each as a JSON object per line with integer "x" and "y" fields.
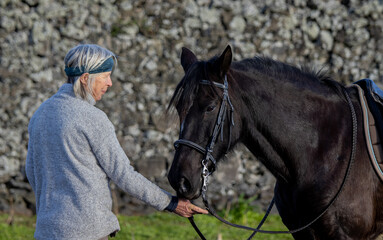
{"x": 186, "y": 209}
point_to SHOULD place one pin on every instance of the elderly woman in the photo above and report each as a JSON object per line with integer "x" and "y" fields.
{"x": 73, "y": 152}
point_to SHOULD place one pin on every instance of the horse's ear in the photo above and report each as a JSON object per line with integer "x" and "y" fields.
{"x": 187, "y": 58}
{"x": 224, "y": 61}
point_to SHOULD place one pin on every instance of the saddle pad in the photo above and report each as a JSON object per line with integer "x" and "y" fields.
{"x": 373, "y": 142}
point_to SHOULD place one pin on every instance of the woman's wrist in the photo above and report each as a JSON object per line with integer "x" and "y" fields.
{"x": 173, "y": 204}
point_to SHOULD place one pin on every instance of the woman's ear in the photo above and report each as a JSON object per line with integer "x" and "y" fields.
{"x": 84, "y": 79}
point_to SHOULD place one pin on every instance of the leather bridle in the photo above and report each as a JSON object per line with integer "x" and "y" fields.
{"x": 208, "y": 150}
{"x": 218, "y": 130}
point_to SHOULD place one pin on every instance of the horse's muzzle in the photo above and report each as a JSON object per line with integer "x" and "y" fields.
{"x": 185, "y": 189}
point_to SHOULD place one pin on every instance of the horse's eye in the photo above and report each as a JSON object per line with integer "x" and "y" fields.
{"x": 210, "y": 108}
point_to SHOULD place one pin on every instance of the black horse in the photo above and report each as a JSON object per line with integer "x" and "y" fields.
{"x": 298, "y": 123}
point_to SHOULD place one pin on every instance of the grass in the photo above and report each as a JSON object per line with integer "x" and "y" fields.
{"x": 22, "y": 228}
{"x": 159, "y": 226}
{"x": 168, "y": 226}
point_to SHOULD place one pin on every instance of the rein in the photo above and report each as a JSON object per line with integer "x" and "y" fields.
{"x": 207, "y": 152}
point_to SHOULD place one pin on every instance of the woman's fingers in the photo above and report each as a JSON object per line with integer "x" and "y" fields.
{"x": 197, "y": 210}
{"x": 186, "y": 209}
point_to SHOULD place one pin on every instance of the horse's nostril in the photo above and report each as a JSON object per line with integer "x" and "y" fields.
{"x": 184, "y": 186}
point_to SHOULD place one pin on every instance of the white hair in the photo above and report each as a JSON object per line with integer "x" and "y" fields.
{"x": 88, "y": 56}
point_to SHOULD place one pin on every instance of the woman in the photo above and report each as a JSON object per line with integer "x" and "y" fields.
{"x": 73, "y": 152}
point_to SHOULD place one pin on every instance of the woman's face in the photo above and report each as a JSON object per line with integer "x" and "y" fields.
{"x": 101, "y": 84}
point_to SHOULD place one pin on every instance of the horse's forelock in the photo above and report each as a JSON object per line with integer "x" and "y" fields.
{"x": 186, "y": 90}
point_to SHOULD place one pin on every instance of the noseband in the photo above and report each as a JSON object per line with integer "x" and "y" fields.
{"x": 218, "y": 129}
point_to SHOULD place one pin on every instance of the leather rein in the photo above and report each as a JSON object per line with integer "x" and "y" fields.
{"x": 208, "y": 157}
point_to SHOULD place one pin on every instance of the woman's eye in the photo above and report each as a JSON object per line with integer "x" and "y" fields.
{"x": 210, "y": 108}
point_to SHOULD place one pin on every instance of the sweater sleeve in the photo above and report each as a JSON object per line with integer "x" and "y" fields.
{"x": 116, "y": 165}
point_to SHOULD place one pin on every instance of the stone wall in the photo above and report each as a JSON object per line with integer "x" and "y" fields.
{"x": 344, "y": 36}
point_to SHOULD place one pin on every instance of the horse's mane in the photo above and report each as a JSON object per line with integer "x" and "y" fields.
{"x": 185, "y": 91}
{"x": 304, "y": 72}
{"x": 279, "y": 69}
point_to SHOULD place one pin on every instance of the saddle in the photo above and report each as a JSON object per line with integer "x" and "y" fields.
{"x": 371, "y": 99}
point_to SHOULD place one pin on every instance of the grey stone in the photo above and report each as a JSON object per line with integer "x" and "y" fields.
{"x": 191, "y": 7}
{"x": 238, "y": 24}
{"x": 326, "y": 39}
{"x": 312, "y": 30}
{"x": 7, "y": 23}
{"x": 210, "y": 16}
{"x": 9, "y": 166}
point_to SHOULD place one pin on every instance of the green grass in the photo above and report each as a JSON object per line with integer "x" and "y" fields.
{"x": 159, "y": 226}
{"x": 22, "y": 228}
{"x": 169, "y": 226}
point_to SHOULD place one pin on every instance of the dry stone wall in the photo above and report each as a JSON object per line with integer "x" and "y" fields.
{"x": 344, "y": 36}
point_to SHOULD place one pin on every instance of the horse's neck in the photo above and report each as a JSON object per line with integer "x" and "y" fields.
{"x": 290, "y": 127}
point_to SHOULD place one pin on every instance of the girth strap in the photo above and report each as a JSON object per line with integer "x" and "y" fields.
{"x": 374, "y": 151}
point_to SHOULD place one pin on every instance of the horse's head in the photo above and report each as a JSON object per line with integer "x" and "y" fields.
{"x": 198, "y": 99}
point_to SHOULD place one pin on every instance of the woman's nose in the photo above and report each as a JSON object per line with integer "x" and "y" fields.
{"x": 109, "y": 82}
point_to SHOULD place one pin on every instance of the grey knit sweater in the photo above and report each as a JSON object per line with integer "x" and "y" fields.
{"x": 73, "y": 152}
